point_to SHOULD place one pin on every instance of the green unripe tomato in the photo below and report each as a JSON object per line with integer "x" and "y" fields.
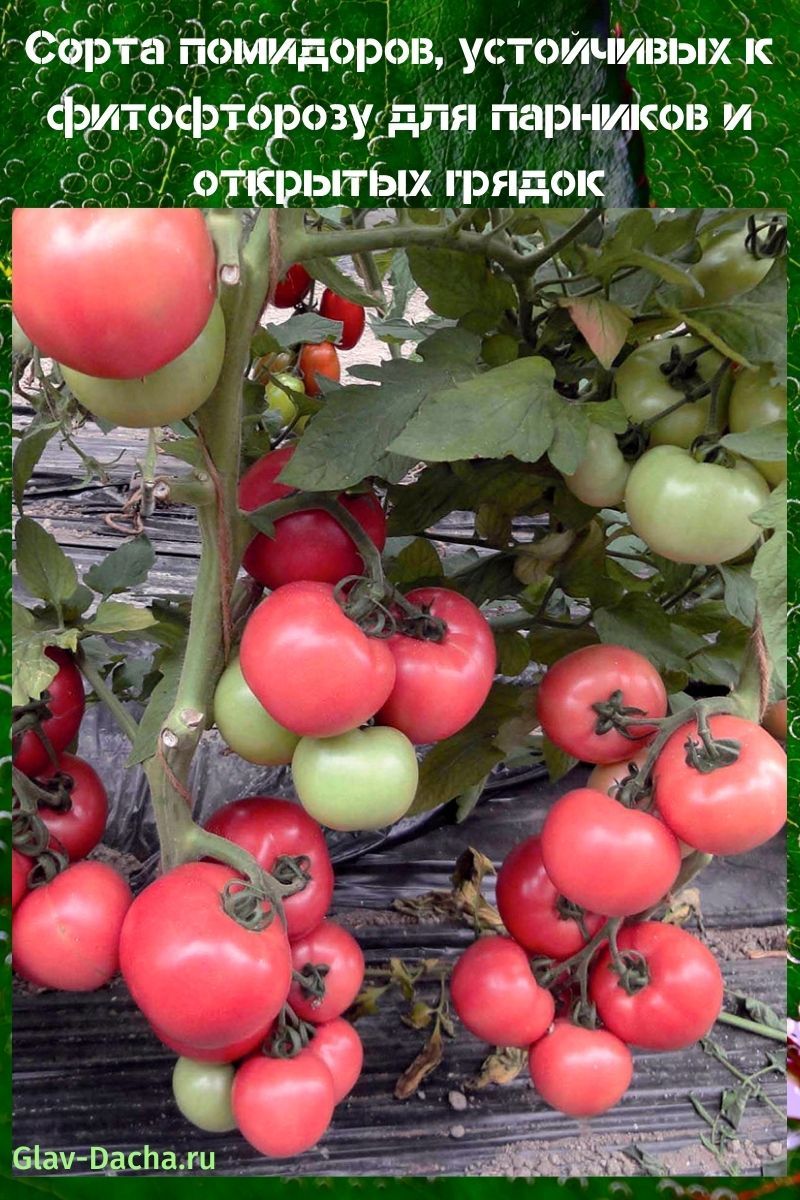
{"x": 644, "y": 391}
{"x": 694, "y": 512}
{"x": 202, "y": 1092}
{"x": 757, "y": 399}
{"x": 363, "y": 779}
{"x": 499, "y": 349}
{"x": 246, "y": 725}
{"x": 168, "y": 395}
{"x": 276, "y": 396}
{"x": 602, "y": 473}
{"x": 20, "y": 342}
{"x": 727, "y": 269}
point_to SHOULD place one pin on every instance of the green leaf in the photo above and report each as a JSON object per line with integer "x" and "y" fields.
{"x": 557, "y": 761}
{"x": 30, "y": 448}
{"x": 159, "y": 705}
{"x": 43, "y": 567}
{"x": 764, "y": 442}
{"x": 639, "y": 623}
{"x": 114, "y": 617}
{"x": 454, "y": 767}
{"x": 31, "y": 669}
{"x": 769, "y": 576}
{"x": 457, "y": 284}
{"x": 304, "y": 327}
{"x": 124, "y": 568}
{"x": 750, "y": 329}
{"x": 609, "y": 413}
{"x": 482, "y": 577}
{"x": 326, "y": 272}
{"x": 740, "y": 593}
{"x": 505, "y": 411}
{"x": 604, "y": 325}
{"x": 513, "y": 652}
{"x": 570, "y": 435}
{"x": 415, "y": 562}
{"x": 436, "y": 492}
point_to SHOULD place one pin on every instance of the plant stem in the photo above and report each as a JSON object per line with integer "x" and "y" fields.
{"x": 101, "y": 689}
{"x": 726, "y": 1018}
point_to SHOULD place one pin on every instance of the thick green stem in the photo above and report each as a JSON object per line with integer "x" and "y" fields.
{"x": 103, "y": 692}
{"x": 726, "y": 1018}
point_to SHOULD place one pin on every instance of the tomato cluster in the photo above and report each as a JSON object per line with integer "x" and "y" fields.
{"x": 267, "y": 994}
{"x": 584, "y": 974}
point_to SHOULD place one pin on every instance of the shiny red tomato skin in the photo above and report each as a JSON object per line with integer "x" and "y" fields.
{"x": 178, "y": 942}
{"x": 290, "y": 290}
{"x": 338, "y": 1045}
{"x": 590, "y": 675}
{"x": 352, "y": 316}
{"x": 307, "y": 545}
{"x": 270, "y": 828}
{"x": 330, "y": 944}
{"x": 607, "y": 857}
{"x": 496, "y": 996}
{"x": 66, "y": 933}
{"x": 133, "y": 287}
{"x": 440, "y": 686}
{"x": 580, "y": 1072}
{"x": 311, "y": 667}
{"x": 283, "y": 1106}
{"x": 66, "y": 702}
{"x": 230, "y": 1053}
{"x": 733, "y": 808}
{"x": 21, "y": 867}
{"x": 80, "y": 827}
{"x": 680, "y": 1003}
{"x": 317, "y": 359}
{"x": 526, "y": 899}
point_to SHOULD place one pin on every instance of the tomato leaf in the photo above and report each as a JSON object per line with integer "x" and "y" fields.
{"x": 330, "y": 274}
{"x": 603, "y": 324}
{"x": 642, "y": 625}
{"x": 114, "y": 617}
{"x": 43, "y": 567}
{"x": 303, "y": 327}
{"x": 513, "y": 651}
{"x": 124, "y": 568}
{"x": 557, "y": 761}
{"x": 750, "y": 329}
{"x": 739, "y": 594}
{"x": 30, "y": 448}
{"x": 765, "y": 442}
{"x": 457, "y": 284}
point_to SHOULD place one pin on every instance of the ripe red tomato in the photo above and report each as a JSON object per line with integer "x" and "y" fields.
{"x": 496, "y": 995}
{"x": 586, "y": 677}
{"x": 67, "y": 932}
{"x": 283, "y": 1106}
{"x": 311, "y": 667}
{"x": 317, "y": 359}
{"x": 733, "y": 808}
{"x": 528, "y": 904}
{"x": 292, "y": 287}
{"x": 606, "y": 857}
{"x": 270, "y": 828}
{"x": 580, "y": 1072}
{"x": 66, "y": 702}
{"x": 333, "y": 946}
{"x": 679, "y": 1003}
{"x": 80, "y": 827}
{"x": 197, "y": 974}
{"x": 340, "y": 1048}
{"x": 230, "y": 1053}
{"x": 440, "y": 686}
{"x": 307, "y": 545}
{"x": 352, "y": 316}
{"x": 129, "y": 288}
{"x": 21, "y": 867}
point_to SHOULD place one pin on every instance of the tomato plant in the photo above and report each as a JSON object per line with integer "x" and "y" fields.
{"x": 496, "y": 995}
{"x": 581, "y": 1072}
{"x": 591, "y": 676}
{"x": 163, "y": 396}
{"x": 729, "y": 809}
{"x": 352, "y": 317}
{"x": 314, "y": 670}
{"x": 65, "y": 704}
{"x": 694, "y": 512}
{"x": 179, "y": 941}
{"x": 758, "y": 398}
{"x": 309, "y": 545}
{"x": 291, "y": 287}
{"x": 318, "y": 359}
{"x": 202, "y": 1092}
{"x": 532, "y": 910}
{"x": 278, "y": 395}
{"x": 363, "y": 779}
{"x": 674, "y": 994}
{"x": 135, "y": 286}
{"x": 657, "y": 376}
{"x": 246, "y": 725}
{"x": 79, "y": 826}
{"x": 272, "y": 829}
{"x": 441, "y": 681}
{"x": 283, "y": 1106}
{"x": 338, "y": 1045}
{"x": 332, "y": 964}
{"x": 67, "y": 932}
